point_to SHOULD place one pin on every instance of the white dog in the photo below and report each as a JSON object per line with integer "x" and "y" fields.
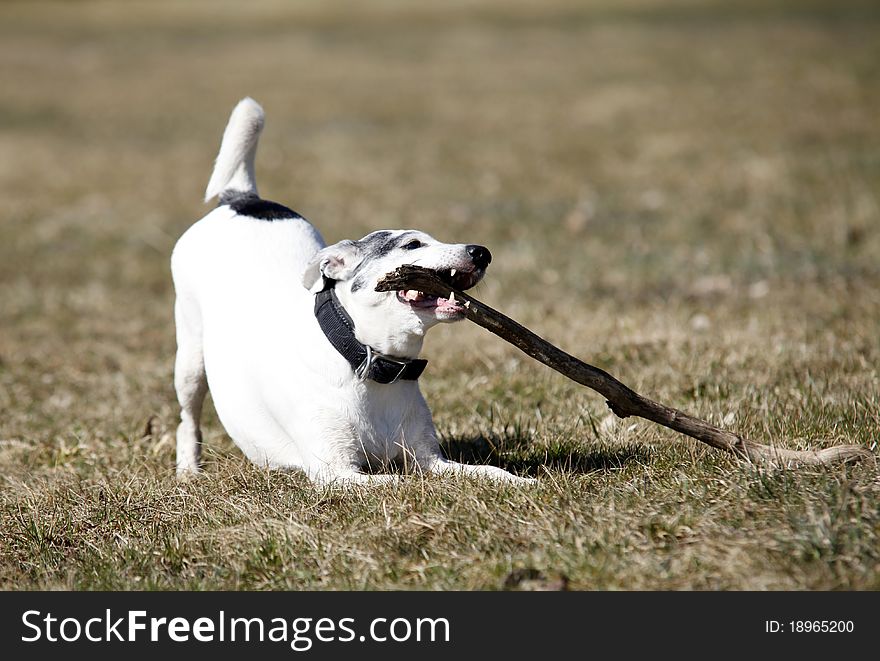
{"x": 309, "y": 367}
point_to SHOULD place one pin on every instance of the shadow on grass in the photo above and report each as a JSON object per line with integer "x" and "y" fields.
{"x": 523, "y": 458}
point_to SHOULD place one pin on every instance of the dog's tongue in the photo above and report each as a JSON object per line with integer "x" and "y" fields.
{"x": 449, "y": 305}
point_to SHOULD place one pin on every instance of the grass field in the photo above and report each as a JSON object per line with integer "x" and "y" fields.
{"x": 684, "y": 193}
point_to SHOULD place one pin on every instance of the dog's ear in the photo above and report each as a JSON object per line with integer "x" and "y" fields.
{"x": 336, "y": 262}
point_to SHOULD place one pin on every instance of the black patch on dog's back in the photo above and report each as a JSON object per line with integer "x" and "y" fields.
{"x": 253, "y": 206}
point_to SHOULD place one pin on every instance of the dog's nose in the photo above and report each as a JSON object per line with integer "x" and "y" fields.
{"x": 480, "y": 255}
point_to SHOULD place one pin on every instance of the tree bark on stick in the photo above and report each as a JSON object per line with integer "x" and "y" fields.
{"x": 621, "y": 399}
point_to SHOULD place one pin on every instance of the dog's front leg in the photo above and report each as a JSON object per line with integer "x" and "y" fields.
{"x": 443, "y": 466}
{"x": 429, "y": 456}
{"x": 345, "y": 477}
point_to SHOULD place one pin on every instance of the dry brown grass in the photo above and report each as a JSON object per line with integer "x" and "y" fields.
{"x": 683, "y": 193}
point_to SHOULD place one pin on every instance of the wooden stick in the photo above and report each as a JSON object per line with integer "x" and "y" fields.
{"x": 621, "y": 399}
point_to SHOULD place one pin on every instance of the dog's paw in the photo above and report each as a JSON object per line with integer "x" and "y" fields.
{"x": 187, "y": 473}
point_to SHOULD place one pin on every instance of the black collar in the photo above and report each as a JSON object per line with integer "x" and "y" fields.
{"x": 366, "y": 362}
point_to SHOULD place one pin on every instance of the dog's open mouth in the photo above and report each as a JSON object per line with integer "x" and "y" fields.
{"x": 456, "y": 279}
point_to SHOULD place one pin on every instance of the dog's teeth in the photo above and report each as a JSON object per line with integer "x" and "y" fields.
{"x": 452, "y": 297}
{"x": 451, "y": 273}
{"x": 467, "y": 304}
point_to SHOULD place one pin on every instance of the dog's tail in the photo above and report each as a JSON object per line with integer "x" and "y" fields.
{"x": 234, "y": 167}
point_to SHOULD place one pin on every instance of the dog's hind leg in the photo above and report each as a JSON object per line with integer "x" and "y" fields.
{"x": 191, "y": 385}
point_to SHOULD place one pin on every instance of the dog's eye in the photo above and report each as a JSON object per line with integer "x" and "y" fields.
{"x": 412, "y": 245}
